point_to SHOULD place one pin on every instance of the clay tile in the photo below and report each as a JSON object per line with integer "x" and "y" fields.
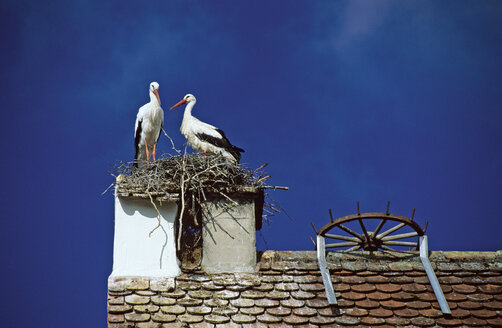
{"x": 116, "y": 318}
{"x": 418, "y": 305}
{"x": 353, "y": 296}
{"x": 189, "y": 302}
{"x": 388, "y": 288}
{"x": 342, "y": 287}
{"x": 211, "y": 286}
{"x": 431, "y": 313}
{"x": 264, "y": 287}
{"x": 379, "y": 296}
{"x": 253, "y": 294}
{"x": 464, "y": 289}
{"x": 307, "y": 279}
{"x": 150, "y": 308}
{"x": 391, "y": 305}
{"x": 353, "y": 280}
{"x": 279, "y": 311}
{"x": 448, "y": 267}
{"x": 427, "y": 297}
{"x": 449, "y": 280}
{"x": 267, "y": 318}
{"x": 422, "y": 280}
{"x": 475, "y": 322}
{"x": 364, "y": 288}
{"x": 252, "y": 310}
{"x": 422, "y": 322}
{"x": 484, "y": 314}
{"x": 312, "y": 287}
{"x": 242, "y": 302}
{"x": 402, "y": 280}
{"x": 318, "y": 303}
{"x": 448, "y": 322}
{"x": 377, "y": 279}
{"x": 469, "y": 305}
{"x": 455, "y": 297}
{"x": 178, "y": 293}
{"x": 288, "y": 287}
{"x": 406, "y": 313}
{"x": 356, "y": 312}
{"x": 119, "y": 309}
{"x": 372, "y": 321}
{"x": 292, "y": 303}
{"x": 200, "y": 294}
{"x": 367, "y": 304}
{"x": 266, "y": 303}
{"x": 116, "y": 300}
{"x": 494, "y": 280}
{"x": 137, "y": 300}
{"x": 190, "y": 318}
{"x": 225, "y": 310}
{"x": 342, "y": 320}
{"x": 161, "y": 317}
{"x": 277, "y": 295}
{"x": 472, "y": 266}
{"x": 460, "y": 313}
{"x": 137, "y": 283}
{"x": 295, "y": 320}
{"x": 354, "y": 266}
{"x": 343, "y": 303}
{"x": 491, "y": 289}
{"x": 173, "y": 309}
{"x": 496, "y": 322}
{"x": 216, "y": 319}
{"x": 479, "y": 297}
{"x": 366, "y": 273}
{"x": 377, "y": 267}
{"x": 137, "y": 317}
{"x": 381, "y": 313}
{"x": 226, "y": 294}
{"x": 493, "y": 305}
{"x": 401, "y": 266}
{"x": 414, "y": 288}
{"x": 404, "y": 296}
{"x": 301, "y": 295}
{"x": 396, "y": 321}
{"x": 304, "y": 311}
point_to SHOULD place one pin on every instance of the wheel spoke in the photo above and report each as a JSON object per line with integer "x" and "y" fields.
{"x": 353, "y": 233}
{"x": 391, "y": 230}
{"x": 347, "y": 238}
{"x": 379, "y": 227}
{"x": 355, "y": 248}
{"x": 364, "y": 229}
{"x": 349, "y": 243}
{"x": 399, "y": 243}
{"x": 387, "y": 248}
{"x": 401, "y": 236}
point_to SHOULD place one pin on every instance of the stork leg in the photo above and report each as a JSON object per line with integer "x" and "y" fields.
{"x": 147, "y": 153}
{"x": 153, "y": 153}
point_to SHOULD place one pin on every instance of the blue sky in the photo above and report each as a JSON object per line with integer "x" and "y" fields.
{"x": 361, "y": 100}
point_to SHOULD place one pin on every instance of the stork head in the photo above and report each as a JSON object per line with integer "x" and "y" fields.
{"x": 189, "y": 98}
{"x": 154, "y": 89}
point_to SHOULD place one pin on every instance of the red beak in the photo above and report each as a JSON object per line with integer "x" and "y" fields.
{"x": 183, "y": 101}
{"x": 157, "y": 94}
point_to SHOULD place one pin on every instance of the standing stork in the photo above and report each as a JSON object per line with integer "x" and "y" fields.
{"x": 204, "y": 137}
{"x": 148, "y": 126}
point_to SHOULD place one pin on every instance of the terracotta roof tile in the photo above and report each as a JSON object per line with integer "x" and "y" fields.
{"x": 372, "y": 290}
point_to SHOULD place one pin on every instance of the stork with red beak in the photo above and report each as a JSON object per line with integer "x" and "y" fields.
{"x": 204, "y": 137}
{"x": 148, "y": 127}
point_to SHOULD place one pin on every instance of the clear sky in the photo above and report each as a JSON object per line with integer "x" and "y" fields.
{"x": 361, "y": 100}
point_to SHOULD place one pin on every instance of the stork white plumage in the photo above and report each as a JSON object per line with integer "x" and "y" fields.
{"x": 204, "y": 137}
{"x": 148, "y": 127}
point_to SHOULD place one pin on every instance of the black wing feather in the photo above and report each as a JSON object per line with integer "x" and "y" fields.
{"x": 222, "y": 142}
{"x": 136, "y": 142}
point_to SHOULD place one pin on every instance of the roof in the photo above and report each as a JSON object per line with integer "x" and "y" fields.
{"x": 377, "y": 289}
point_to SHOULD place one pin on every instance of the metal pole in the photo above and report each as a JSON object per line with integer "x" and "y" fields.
{"x": 323, "y": 267}
{"x": 424, "y": 256}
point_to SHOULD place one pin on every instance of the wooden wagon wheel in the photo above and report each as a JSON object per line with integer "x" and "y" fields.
{"x": 360, "y": 237}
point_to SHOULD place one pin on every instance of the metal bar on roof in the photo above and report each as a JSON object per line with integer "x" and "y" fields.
{"x": 424, "y": 256}
{"x": 323, "y": 267}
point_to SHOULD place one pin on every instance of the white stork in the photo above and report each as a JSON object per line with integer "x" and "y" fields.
{"x": 204, "y": 137}
{"x": 148, "y": 126}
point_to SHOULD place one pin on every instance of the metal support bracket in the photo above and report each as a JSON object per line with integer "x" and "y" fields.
{"x": 424, "y": 256}
{"x": 323, "y": 267}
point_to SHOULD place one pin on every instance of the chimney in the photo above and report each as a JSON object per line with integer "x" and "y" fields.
{"x": 137, "y": 251}
{"x": 229, "y": 231}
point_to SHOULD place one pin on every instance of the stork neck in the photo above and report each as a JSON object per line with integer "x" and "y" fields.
{"x": 153, "y": 99}
{"x": 188, "y": 109}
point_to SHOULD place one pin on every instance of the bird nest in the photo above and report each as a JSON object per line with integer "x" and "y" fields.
{"x": 192, "y": 179}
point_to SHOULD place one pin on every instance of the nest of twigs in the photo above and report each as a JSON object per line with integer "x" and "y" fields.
{"x": 192, "y": 179}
